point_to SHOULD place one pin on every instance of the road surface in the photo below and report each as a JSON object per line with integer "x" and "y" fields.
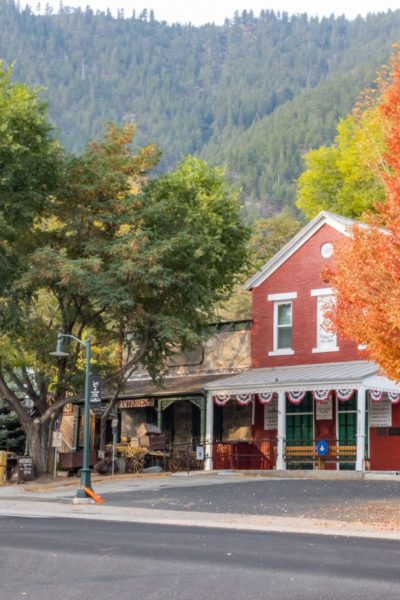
{"x": 71, "y": 559}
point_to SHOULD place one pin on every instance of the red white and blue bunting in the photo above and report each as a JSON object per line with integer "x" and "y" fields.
{"x": 375, "y": 395}
{"x": 221, "y": 399}
{"x": 296, "y": 396}
{"x": 344, "y": 394}
{"x": 394, "y": 397}
{"x": 322, "y": 396}
{"x": 244, "y": 399}
{"x": 265, "y": 397}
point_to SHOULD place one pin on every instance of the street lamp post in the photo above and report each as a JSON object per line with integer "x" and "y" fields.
{"x": 85, "y": 471}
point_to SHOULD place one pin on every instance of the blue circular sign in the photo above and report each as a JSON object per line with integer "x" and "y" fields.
{"x": 322, "y": 447}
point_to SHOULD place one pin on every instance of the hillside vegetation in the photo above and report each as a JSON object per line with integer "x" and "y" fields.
{"x": 253, "y": 95}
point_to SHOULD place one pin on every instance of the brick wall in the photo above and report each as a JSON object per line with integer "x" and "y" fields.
{"x": 300, "y": 273}
{"x": 385, "y": 449}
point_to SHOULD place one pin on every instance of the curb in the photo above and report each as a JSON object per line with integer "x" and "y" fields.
{"x": 196, "y": 519}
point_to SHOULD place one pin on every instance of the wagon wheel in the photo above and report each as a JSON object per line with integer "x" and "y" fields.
{"x": 173, "y": 465}
{"x": 138, "y": 464}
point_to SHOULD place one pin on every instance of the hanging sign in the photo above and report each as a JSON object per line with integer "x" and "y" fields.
{"x": 95, "y": 390}
{"x": 271, "y": 414}
{"x": 380, "y": 413}
{"x": 324, "y": 410}
{"x": 57, "y": 439}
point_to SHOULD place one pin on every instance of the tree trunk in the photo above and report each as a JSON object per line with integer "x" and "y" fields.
{"x": 38, "y": 443}
{"x": 103, "y": 423}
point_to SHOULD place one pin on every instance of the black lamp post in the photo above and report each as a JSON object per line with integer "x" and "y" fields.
{"x": 85, "y": 471}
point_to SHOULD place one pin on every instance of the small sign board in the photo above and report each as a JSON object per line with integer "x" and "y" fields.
{"x": 57, "y": 439}
{"x": 271, "y": 415}
{"x": 199, "y": 452}
{"x": 322, "y": 448}
{"x": 114, "y": 426}
{"x": 25, "y": 468}
{"x": 95, "y": 390}
{"x": 324, "y": 410}
{"x": 380, "y": 413}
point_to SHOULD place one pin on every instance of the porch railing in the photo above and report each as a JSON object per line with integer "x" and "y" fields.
{"x": 245, "y": 454}
{"x": 303, "y": 451}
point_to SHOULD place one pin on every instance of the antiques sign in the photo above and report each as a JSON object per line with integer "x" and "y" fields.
{"x": 271, "y": 415}
{"x": 137, "y": 403}
{"x": 323, "y": 410}
{"x": 380, "y": 413}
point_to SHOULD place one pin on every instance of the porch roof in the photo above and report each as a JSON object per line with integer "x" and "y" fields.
{"x": 305, "y": 377}
{"x": 170, "y": 386}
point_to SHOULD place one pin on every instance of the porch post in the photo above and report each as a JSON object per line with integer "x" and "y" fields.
{"x": 280, "y": 459}
{"x": 159, "y": 413}
{"x": 360, "y": 466}
{"x": 208, "y": 464}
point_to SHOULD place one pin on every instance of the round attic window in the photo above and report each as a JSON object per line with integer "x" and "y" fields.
{"x": 327, "y": 250}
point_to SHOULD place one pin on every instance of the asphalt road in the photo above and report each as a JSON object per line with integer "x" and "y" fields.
{"x": 62, "y": 559}
{"x": 276, "y": 497}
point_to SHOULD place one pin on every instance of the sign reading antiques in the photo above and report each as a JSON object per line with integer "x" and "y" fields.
{"x": 95, "y": 390}
{"x": 271, "y": 415}
{"x": 380, "y": 413}
{"x": 137, "y": 403}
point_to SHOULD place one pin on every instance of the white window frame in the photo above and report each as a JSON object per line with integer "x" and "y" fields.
{"x": 319, "y": 295}
{"x": 281, "y": 351}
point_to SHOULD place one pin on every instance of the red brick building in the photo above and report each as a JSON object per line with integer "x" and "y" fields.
{"x": 310, "y": 399}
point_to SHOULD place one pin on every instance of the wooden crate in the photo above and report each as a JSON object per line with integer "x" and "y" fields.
{"x": 147, "y": 429}
{"x": 152, "y": 441}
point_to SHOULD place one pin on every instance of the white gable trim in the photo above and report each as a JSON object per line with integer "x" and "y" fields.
{"x": 341, "y": 224}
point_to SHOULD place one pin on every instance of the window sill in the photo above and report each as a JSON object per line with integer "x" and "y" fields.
{"x": 320, "y": 350}
{"x": 285, "y": 352}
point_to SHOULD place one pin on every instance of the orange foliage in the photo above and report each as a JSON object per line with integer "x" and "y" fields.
{"x": 366, "y": 272}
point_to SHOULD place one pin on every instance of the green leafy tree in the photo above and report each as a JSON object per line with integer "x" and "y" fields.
{"x": 29, "y": 161}
{"x": 12, "y": 436}
{"x": 345, "y": 178}
{"x": 137, "y": 264}
{"x": 268, "y": 236}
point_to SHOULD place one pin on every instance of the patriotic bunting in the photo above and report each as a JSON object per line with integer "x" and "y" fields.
{"x": 243, "y": 399}
{"x": 295, "y": 397}
{"x": 375, "y": 395}
{"x": 322, "y": 396}
{"x": 266, "y": 397}
{"x": 344, "y": 394}
{"x": 221, "y": 399}
{"x": 394, "y": 397}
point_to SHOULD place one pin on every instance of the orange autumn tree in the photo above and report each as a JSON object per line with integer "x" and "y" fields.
{"x": 366, "y": 273}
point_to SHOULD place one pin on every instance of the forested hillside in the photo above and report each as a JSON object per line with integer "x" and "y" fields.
{"x": 253, "y": 95}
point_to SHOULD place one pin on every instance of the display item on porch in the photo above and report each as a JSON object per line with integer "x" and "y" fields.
{"x": 146, "y": 429}
{"x": 152, "y": 441}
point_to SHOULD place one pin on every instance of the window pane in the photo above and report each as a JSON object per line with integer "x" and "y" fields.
{"x": 284, "y": 337}
{"x": 285, "y": 314}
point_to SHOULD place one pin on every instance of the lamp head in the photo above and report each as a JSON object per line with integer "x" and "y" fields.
{"x": 59, "y": 353}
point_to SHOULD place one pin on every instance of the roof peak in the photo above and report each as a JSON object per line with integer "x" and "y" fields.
{"x": 338, "y": 222}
